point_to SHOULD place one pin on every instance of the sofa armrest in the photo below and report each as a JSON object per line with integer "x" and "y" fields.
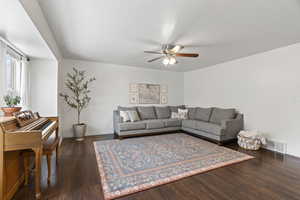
{"x": 116, "y": 120}
{"x": 233, "y": 126}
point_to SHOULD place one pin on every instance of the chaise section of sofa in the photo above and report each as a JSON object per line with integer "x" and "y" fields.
{"x": 217, "y": 124}
{"x": 220, "y": 128}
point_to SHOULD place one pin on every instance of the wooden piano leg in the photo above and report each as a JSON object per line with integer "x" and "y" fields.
{"x": 38, "y": 156}
{"x": 57, "y": 148}
{"x": 49, "y": 156}
{"x": 2, "y": 175}
{"x": 2, "y": 163}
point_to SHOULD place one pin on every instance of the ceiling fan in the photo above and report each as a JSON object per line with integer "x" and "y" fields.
{"x": 169, "y": 52}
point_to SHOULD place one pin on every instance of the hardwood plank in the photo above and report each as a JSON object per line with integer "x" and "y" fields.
{"x": 268, "y": 176}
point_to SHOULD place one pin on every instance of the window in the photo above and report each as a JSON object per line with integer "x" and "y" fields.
{"x": 13, "y": 73}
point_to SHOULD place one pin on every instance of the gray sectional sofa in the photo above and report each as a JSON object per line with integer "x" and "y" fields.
{"x": 217, "y": 124}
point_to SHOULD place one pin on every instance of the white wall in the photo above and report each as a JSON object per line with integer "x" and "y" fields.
{"x": 265, "y": 87}
{"x": 110, "y": 90}
{"x": 43, "y": 86}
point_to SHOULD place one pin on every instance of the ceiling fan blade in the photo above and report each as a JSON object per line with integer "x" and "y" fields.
{"x": 187, "y": 55}
{"x": 154, "y": 52}
{"x": 177, "y": 48}
{"x": 154, "y": 59}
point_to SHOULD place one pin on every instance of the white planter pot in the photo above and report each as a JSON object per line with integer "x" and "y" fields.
{"x": 79, "y": 131}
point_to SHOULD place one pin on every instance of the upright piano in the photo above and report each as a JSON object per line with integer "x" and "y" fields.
{"x": 24, "y": 131}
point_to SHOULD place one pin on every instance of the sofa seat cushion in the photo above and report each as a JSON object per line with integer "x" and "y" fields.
{"x": 219, "y": 114}
{"x": 209, "y": 127}
{"x": 154, "y": 124}
{"x": 129, "y": 126}
{"x": 163, "y": 112}
{"x": 146, "y": 112}
{"x": 188, "y": 123}
{"x": 172, "y": 122}
{"x": 203, "y": 114}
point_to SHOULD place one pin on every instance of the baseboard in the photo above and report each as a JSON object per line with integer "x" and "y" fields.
{"x": 102, "y": 134}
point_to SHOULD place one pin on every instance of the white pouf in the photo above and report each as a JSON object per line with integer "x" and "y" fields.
{"x": 250, "y": 140}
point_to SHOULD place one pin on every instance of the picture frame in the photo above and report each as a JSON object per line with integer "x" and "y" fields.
{"x": 133, "y": 87}
{"x": 164, "y": 89}
{"x": 163, "y": 99}
{"x": 149, "y": 93}
{"x": 133, "y": 98}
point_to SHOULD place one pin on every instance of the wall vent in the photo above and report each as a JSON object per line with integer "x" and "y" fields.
{"x": 279, "y": 147}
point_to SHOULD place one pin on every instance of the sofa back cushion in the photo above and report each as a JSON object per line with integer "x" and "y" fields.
{"x": 163, "y": 112}
{"x": 146, "y": 112}
{"x": 121, "y": 108}
{"x": 203, "y": 114}
{"x": 219, "y": 114}
{"x": 192, "y": 113}
{"x": 124, "y": 115}
{"x": 183, "y": 113}
{"x": 175, "y": 108}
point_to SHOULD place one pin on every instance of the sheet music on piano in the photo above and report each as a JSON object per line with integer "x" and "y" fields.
{"x": 24, "y": 117}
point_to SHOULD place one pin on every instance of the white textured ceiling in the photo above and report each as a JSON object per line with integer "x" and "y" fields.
{"x": 118, "y": 31}
{"x": 16, "y": 26}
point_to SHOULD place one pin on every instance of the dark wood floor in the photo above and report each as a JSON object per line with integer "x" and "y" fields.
{"x": 269, "y": 176}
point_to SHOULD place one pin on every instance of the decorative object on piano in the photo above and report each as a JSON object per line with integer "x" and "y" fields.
{"x": 77, "y": 83}
{"x": 25, "y": 117}
{"x": 11, "y": 100}
{"x": 36, "y": 115}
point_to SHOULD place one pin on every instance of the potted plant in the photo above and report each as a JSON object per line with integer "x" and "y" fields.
{"x": 11, "y": 100}
{"x": 77, "y": 83}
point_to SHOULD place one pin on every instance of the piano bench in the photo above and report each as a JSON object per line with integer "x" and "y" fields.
{"x": 49, "y": 146}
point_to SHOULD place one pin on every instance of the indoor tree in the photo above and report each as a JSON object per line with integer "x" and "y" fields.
{"x": 79, "y": 99}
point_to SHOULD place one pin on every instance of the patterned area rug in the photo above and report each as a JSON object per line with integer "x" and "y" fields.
{"x": 131, "y": 165}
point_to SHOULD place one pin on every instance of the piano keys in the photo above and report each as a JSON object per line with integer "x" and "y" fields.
{"x": 22, "y": 132}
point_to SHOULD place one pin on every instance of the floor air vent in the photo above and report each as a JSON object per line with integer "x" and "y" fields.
{"x": 279, "y": 147}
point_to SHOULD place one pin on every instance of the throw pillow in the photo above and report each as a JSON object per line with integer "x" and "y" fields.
{"x": 174, "y": 115}
{"x": 133, "y": 115}
{"x": 124, "y": 115}
{"x": 183, "y": 113}
{"x": 175, "y": 108}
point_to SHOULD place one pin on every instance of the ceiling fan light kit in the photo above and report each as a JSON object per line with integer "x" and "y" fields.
{"x": 169, "y": 60}
{"x": 169, "y": 53}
